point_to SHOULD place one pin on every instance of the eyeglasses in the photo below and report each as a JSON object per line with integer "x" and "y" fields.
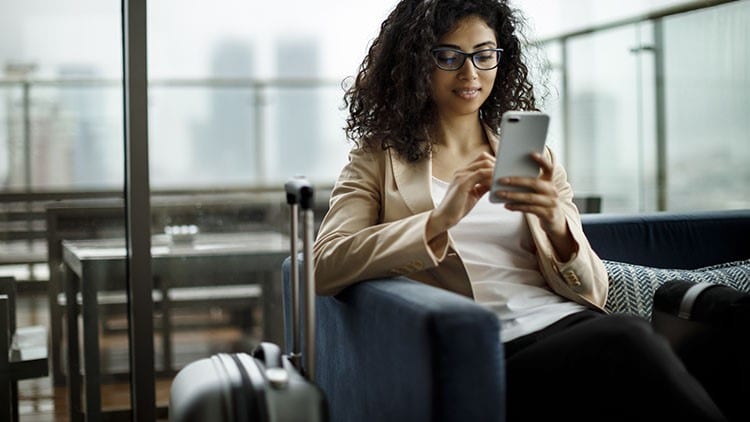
{"x": 451, "y": 59}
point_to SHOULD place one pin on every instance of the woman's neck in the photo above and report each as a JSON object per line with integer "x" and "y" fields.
{"x": 461, "y": 135}
{"x": 459, "y": 141}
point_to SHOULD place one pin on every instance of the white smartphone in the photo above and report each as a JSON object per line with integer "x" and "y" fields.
{"x": 521, "y": 133}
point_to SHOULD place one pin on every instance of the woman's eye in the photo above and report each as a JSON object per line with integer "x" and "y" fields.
{"x": 447, "y": 58}
{"x": 486, "y": 57}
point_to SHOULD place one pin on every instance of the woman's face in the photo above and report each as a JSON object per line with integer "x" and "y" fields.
{"x": 461, "y": 92}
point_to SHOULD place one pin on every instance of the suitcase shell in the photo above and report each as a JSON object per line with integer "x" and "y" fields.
{"x": 239, "y": 387}
{"x": 264, "y": 386}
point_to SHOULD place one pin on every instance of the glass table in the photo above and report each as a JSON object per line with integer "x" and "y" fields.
{"x": 241, "y": 264}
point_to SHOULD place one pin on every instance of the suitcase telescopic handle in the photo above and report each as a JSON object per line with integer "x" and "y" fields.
{"x": 299, "y": 195}
{"x": 299, "y": 191}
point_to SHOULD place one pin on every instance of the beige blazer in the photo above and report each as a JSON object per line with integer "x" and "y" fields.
{"x": 375, "y": 228}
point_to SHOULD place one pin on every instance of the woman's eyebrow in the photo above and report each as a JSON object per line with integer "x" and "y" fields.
{"x": 482, "y": 44}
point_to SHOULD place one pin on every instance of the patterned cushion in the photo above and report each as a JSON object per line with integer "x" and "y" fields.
{"x": 632, "y": 287}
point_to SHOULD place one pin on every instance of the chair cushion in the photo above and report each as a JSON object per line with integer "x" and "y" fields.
{"x": 632, "y": 287}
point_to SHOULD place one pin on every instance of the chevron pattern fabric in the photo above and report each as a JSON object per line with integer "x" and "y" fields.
{"x": 632, "y": 287}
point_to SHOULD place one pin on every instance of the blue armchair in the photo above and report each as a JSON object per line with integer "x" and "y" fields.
{"x": 398, "y": 350}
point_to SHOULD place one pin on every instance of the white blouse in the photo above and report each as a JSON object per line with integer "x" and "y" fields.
{"x": 498, "y": 251}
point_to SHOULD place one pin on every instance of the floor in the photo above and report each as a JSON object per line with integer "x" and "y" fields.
{"x": 40, "y": 400}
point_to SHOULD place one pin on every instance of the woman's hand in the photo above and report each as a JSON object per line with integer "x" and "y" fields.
{"x": 543, "y": 202}
{"x": 469, "y": 184}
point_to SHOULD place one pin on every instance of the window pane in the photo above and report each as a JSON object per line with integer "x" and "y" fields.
{"x": 305, "y": 134}
{"x": 61, "y": 179}
{"x": 202, "y": 134}
{"x": 242, "y": 96}
{"x": 707, "y": 106}
{"x": 603, "y": 144}
{"x": 12, "y": 155}
{"x": 76, "y": 135}
{"x": 551, "y": 92}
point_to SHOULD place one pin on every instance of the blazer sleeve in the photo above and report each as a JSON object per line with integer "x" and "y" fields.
{"x": 583, "y": 278}
{"x": 354, "y": 243}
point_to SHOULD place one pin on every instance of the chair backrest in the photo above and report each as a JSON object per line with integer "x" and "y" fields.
{"x": 7, "y": 328}
{"x": 670, "y": 240}
{"x": 5, "y": 333}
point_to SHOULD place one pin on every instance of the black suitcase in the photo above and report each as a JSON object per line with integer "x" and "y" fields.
{"x": 708, "y": 326}
{"x": 267, "y": 385}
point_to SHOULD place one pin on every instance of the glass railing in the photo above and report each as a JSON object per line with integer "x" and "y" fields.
{"x": 651, "y": 112}
{"x": 217, "y": 133}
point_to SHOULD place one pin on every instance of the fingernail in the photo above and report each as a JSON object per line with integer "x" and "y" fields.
{"x": 504, "y": 180}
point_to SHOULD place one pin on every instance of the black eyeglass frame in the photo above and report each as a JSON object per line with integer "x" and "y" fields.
{"x": 464, "y": 55}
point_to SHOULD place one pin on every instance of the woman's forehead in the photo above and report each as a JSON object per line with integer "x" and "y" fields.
{"x": 469, "y": 29}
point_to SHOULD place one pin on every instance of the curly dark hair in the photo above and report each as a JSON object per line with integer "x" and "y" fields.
{"x": 390, "y": 103}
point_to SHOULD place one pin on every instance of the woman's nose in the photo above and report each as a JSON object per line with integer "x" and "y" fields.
{"x": 468, "y": 70}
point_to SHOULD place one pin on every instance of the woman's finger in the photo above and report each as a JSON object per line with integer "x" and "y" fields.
{"x": 547, "y": 167}
{"x": 528, "y": 198}
{"x": 535, "y": 184}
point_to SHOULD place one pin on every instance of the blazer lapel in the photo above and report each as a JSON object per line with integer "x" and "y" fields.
{"x": 413, "y": 181}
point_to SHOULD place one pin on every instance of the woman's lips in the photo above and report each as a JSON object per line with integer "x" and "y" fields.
{"x": 467, "y": 93}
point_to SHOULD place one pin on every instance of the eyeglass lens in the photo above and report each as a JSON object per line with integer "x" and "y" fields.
{"x": 450, "y": 59}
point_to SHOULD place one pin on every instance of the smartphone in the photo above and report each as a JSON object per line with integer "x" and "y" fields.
{"x": 521, "y": 133}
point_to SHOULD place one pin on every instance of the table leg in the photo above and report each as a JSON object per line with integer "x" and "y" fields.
{"x": 70, "y": 284}
{"x": 92, "y": 378}
{"x": 164, "y": 284}
{"x": 273, "y": 318}
{"x": 56, "y": 314}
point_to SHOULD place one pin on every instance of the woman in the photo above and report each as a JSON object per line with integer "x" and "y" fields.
{"x": 424, "y": 112}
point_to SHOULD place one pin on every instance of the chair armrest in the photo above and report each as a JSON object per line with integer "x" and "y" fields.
{"x": 399, "y": 350}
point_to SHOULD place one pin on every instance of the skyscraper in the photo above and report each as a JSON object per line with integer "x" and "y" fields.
{"x": 297, "y": 126}
{"x": 224, "y": 144}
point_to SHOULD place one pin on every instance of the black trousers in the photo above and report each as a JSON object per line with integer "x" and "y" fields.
{"x": 595, "y": 367}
